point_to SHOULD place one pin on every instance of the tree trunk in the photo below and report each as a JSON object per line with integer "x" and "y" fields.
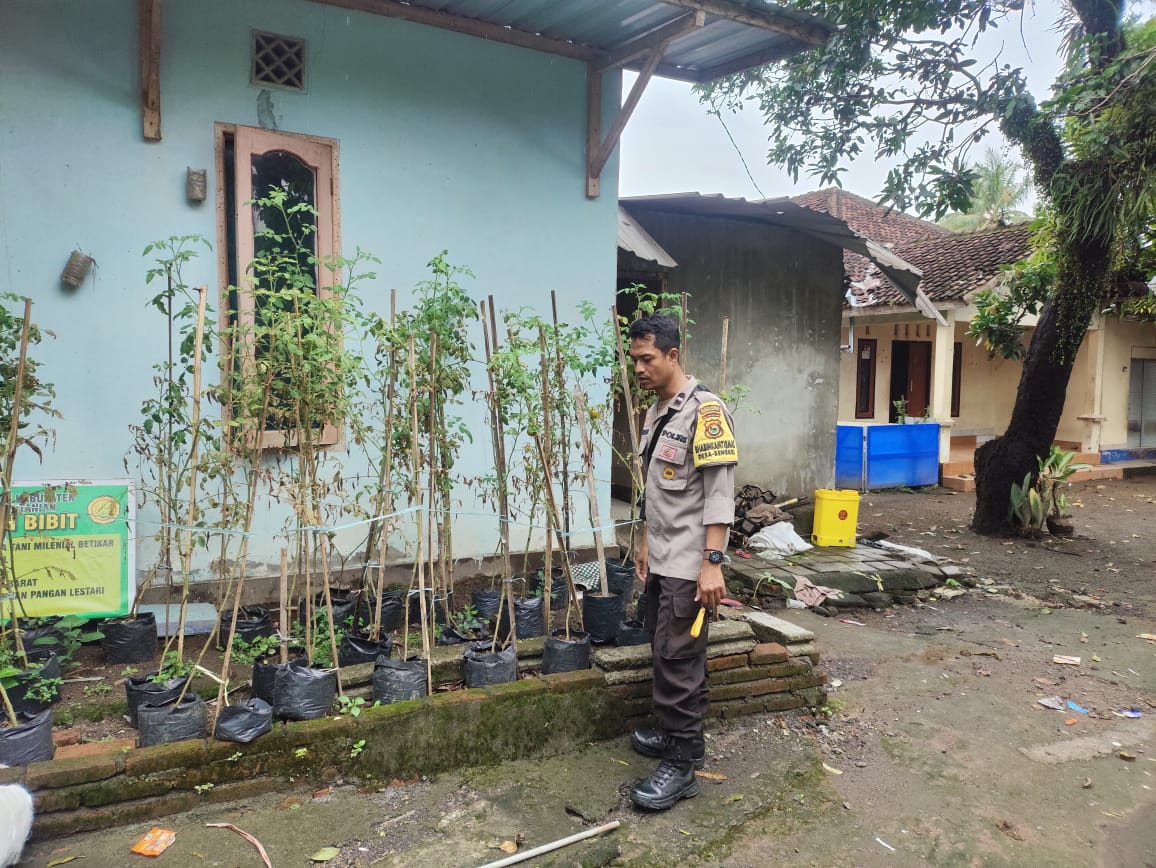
{"x": 1042, "y": 390}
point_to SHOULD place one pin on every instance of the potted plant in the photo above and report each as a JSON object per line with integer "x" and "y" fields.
{"x": 23, "y": 396}
{"x": 1054, "y": 472}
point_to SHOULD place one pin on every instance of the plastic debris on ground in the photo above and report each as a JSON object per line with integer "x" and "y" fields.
{"x": 1151, "y": 637}
{"x": 1127, "y": 712}
{"x": 154, "y": 842}
{"x": 778, "y": 539}
{"x": 849, "y": 621}
{"x": 1066, "y": 660}
{"x": 1077, "y": 708}
{"x": 1052, "y": 702}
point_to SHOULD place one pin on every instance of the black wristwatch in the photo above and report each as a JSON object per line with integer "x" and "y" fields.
{"x": 714, "y": 556}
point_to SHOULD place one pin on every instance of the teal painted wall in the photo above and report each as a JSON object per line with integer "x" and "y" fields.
{"x": 446, "y": 141}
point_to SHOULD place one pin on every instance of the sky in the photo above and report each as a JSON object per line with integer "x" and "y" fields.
{"x": 672, "y": 145}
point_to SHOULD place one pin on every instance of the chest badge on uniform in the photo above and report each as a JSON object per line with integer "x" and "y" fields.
{"x": 668, "y": 473}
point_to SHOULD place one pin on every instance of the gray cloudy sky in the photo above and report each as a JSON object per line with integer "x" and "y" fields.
{"x": 672, "y": 145}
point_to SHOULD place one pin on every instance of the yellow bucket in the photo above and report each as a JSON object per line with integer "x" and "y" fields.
{"x": 836, "y": 517}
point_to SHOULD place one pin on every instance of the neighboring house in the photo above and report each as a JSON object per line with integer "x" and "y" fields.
{"x": 893, "y": 354}
{"x": 773, "y": 271}
{"x": 488, "y": 130}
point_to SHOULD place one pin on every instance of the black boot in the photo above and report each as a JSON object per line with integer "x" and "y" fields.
{"x": 653, "y": 742}
{"x": 673, "y": 780}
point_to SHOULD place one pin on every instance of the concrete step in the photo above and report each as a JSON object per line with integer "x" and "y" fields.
{"x": 963, "y": 482}
{"x": 1101, "y": 471}
{"x": 957, "y": 467}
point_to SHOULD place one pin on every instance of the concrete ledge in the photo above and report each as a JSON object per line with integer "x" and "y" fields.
{"x": 537, "y": 715}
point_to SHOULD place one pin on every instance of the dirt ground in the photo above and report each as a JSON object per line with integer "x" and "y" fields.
{"x": 1112, "y": 557}
{"x": 934, "y": 749}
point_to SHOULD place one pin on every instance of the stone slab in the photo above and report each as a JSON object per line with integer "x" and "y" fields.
{"x": 768, "y": 628}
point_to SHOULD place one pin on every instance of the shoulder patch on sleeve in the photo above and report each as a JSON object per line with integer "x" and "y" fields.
{"x": 714, "y": 442}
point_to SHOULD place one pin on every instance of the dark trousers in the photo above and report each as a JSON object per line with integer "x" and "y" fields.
{"x": 680, "y": 691}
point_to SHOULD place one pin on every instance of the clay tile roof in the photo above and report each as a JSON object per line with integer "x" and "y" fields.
{"x": 953, "y": 264}
{"x": 958, "y": 264}
{"x": 869, "y": 218}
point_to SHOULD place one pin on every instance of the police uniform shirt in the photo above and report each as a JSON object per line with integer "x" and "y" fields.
{"x": 689, "y": 481}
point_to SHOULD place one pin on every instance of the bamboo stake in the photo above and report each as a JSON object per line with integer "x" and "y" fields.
{"x": 684, "y": 311}
{"x": 323, "y": 551}
{"x": 499, "y": 444}
{"x": 554, "y": 845}
{"x": 591, "y": 488}
{"x": 386, "y": 475}
{"x": 722, "y": 380}
{"x": 416, "y": 450}
{"x": 564, "y": 430}
{"x": 432, "y": 456}
{"x": 548, "y": 447}
{"x": 552, "y": 511}
{"x": 283, "y": 606}
{"x": 194, "y": 449}
{"x": 637, "y": 480}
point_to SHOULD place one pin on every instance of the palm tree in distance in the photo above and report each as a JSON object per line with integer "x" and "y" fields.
{"x": 1000, "y": 185}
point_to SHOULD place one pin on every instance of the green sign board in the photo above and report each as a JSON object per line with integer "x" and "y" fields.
{"x": 72, "y": 547}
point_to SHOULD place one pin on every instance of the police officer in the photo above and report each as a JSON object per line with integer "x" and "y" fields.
{"x": 688, "y": 454}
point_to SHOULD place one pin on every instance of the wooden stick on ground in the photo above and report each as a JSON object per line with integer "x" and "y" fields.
{"x": 554, "y": 845}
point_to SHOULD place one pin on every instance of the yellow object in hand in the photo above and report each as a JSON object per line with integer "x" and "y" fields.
{"x": 696, "y": 627}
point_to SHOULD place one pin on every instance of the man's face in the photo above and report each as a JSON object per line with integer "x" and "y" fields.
{"x": 655, "y": 369}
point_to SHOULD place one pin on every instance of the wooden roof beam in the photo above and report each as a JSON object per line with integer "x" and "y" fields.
{"x": 149, "y": 47}
{"x": 641, "y": 46}
{"x": 468, "y": 26}
{"x": 765, "y": 19}
{"x": 598, "y": 151}
{"x": 748, "y": 61}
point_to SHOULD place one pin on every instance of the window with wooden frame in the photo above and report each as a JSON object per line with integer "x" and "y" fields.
{"x": 865, "y": 353}
{"x": 277, "y": 205}
{"x": 956, "y": 377}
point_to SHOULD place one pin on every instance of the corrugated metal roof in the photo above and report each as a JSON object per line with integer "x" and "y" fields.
{"x": 635, "y": 239}
{"x": 784, "y": 212}
{"x": 736, "y": 35}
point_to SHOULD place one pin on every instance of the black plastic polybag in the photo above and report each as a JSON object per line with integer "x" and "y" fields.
{"x": 439, "y": 604}
{"x": 619, "y": 575}
{"x": 130, "y": 640}
{"x": 529, "y": 618}
{"x": 264, "y": 676}
{"x": 562, "y": 655}
{"x": 484, "y": 667}
{"x": 392, "y": 611}
{"x": 631, "y": 632}
{"x": 302, "y": 692}
{"x": 487, "y": 603}
{"x": 170, "y": 722}
{"x": 139, "y": 691}
{"x": 398, "y": 680}
{"x": 252, "y": 622}
{"x": 245, "y": 721}
{"x": 30, "y": 741}
{"x": 40, "y": 643}
{"x": 22, "y": 703}
{"x": 361, "y": 649}
{"x": 601, "y": 615}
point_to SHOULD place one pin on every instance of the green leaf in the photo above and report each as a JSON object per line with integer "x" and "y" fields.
{"x": 325, "y": 854}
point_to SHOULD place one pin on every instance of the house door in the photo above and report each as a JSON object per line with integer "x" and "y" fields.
{"x": 910, "y": 377}
{"x": 1142, "y": 403}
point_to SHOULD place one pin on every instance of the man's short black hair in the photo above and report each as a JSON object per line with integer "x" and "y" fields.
{"x": 663, "y": 328}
